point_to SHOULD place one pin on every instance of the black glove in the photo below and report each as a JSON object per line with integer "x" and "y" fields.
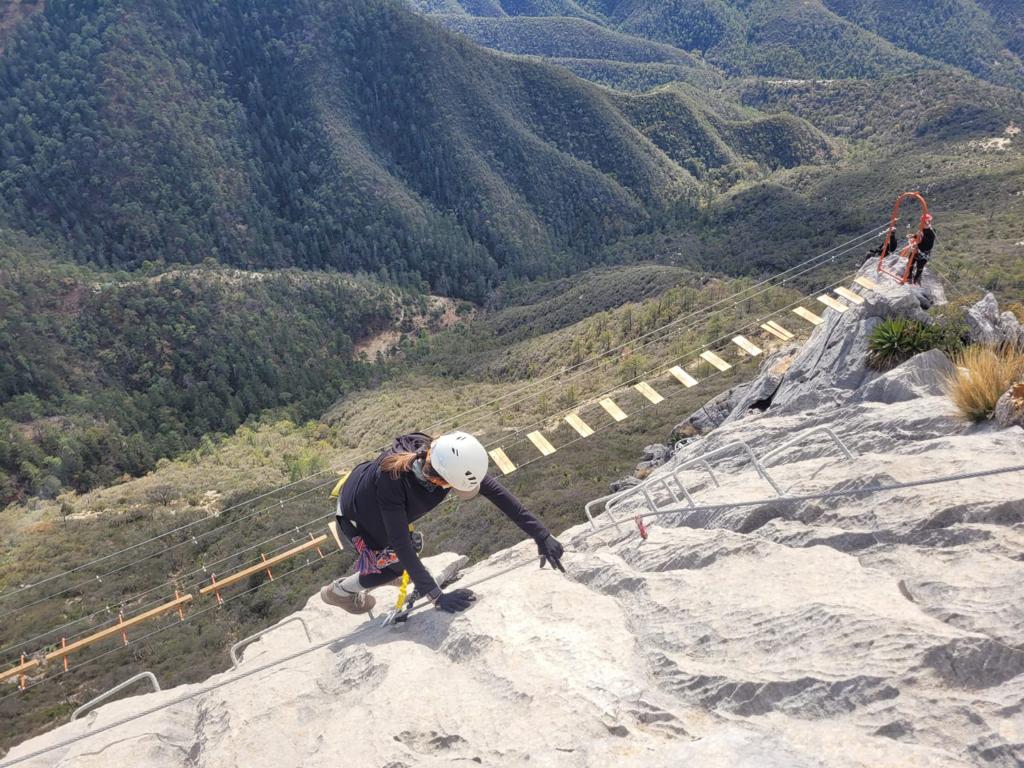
{"x": 455, "y": 601}
{"x": 551, "y": 551}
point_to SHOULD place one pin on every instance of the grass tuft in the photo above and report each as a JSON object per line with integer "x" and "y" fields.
{"x": 982, "y": 375}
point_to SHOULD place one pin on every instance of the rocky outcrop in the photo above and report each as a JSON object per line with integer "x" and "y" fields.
{"x": 1010, "y": 408}
{"x": 923, "y": 375}
{"x": 988, "y": 326}
{"x": 654, "y": 456}
{"x": 861, "y": 630}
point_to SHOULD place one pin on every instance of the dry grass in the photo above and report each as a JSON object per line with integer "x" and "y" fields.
{"x": 982, "y": 375}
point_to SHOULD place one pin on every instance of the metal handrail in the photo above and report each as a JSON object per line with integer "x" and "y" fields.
{"x": 803, "y": 435}
{"x": 235, "y": 661}
{"x": 642, "y": 488}
{"x": 740, "y": 445}
{"x": 116, "y": 689}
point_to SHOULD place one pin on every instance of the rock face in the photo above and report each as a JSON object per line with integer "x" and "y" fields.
{"x": 832, "y": 365}
{"x": 921, "y": 376}
{"x": 1010, "y": 408}
{"x": 988, "y": 326}
{"x": 857, "y": 631}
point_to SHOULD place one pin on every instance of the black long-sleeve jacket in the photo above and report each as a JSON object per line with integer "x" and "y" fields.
{"x": 382, "y": 507}
{"x": 927, "y": 240}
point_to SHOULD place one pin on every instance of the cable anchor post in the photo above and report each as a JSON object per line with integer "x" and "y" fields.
{"x": 216, "y": 592}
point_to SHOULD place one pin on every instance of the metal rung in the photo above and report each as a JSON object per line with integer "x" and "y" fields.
{"x": 579, "y": 425}
{"x": 773, "y": 332}
{"x": 542, "y": 444}
{"x": 809, "y": 316}
{"x": 746, "y": 345}
{"x": 236, "y": 661}
{"x": 684, "y": 378}
{"x": 649, "y": 392}
{"x": 116, "y": 689}
{"x": 783, "y": 331}
{"x": 715, "y": 360}
{"x": 849, "y": 295}
{"x": 613, "y": 410}
{"x": 831, "y": 303}
{"x": 503, "y": 461}
{"x": 867, "y": 282}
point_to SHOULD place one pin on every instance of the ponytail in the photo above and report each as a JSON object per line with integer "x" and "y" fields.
{"x": 397, "y": 463}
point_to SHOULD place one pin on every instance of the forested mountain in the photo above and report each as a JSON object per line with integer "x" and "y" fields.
{"x": 777, "y": 38}
{"x": 103, "y": 374}
{"x": 351, "y": 136}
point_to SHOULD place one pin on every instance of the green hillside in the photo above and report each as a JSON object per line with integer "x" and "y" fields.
{"x": 355, "y": 137}
{"x": 102, "y": 373}
{"x": 788, "y": 38}
{"x": 957, "y": 32}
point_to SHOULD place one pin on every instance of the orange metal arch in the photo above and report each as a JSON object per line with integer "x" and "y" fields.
{"x": 909, "y": 252}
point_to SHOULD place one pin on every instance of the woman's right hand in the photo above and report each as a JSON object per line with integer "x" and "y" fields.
{"x": 455, "y": 601}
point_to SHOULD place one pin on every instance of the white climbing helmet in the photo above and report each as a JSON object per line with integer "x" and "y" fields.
{"x": 460, "y": 459}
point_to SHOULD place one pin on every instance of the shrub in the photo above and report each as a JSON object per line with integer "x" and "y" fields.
{"x": 897, "y": 339}
{"x": 892, "y": 341}
{"x": 982, "y": 375}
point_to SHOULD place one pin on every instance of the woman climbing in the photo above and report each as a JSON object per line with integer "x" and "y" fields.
{"x": 924, "y": 249}
{"x": 381, "y": 498}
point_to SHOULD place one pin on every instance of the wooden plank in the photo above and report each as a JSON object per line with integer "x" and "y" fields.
{"x": 333, "y": 528}
{"x": 831, "y": 303}
{"x": 867, "y": 282}
{"x": 849, "y": 295}
{"x": 116, "y": 629}
{"x": 542, "y": 443}
{"x": 684, "y": 378}
{"x": 649, "y": 392}
{"x": 773, "y": 332}
{"x": 263, "y": 565}
{"x": 579, "y": 425}
{"x": 613, "y": 410}
{"x": 780, "y": 329}
{"x": 746, "y": 345}
{"x": 19, "y": 670}
{"x": 715, "y": 360}
{"x": 503, "y": 461}
{"x": 807, "y": 315}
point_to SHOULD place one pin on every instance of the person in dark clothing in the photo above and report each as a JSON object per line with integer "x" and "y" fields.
{"x": 924, "y": 249}
{"x": 889, "y": 246}
{"x": 380, "y": 500}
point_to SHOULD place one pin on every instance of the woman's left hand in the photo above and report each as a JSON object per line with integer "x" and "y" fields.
{"x": 551, "y": 551}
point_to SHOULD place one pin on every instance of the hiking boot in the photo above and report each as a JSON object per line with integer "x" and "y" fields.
{"x": 353, "y": 602}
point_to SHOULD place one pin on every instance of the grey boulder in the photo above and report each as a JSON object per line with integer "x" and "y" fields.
{"x": 923, "y": 375}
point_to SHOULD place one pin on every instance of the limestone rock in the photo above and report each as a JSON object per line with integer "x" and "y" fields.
{"x": 832, "y": 365}
{"x": 988, "y": 326}
{"x": 711, "y": 414}
{"x": 923, "y": 375}
{"x": 654, "y": 456}
{"x": 623, "y": 483}
{"x": 1010, "y": 408}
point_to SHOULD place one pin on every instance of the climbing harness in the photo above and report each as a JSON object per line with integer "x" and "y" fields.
{"x": 909, "y": 252}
